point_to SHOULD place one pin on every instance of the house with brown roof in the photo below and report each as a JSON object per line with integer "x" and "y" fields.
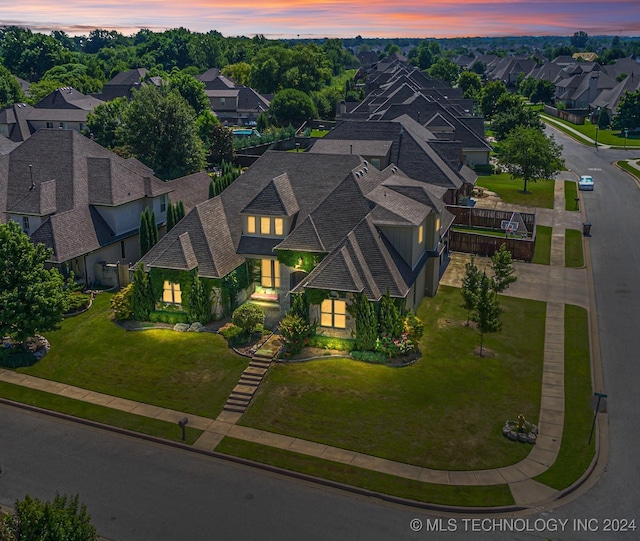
{"x": 79, "y": 199}
{"x": 64, "y": 108}
{"x": 331, "y": 223}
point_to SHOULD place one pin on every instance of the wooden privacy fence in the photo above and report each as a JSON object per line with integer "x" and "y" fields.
{"x": 521, "y": 248}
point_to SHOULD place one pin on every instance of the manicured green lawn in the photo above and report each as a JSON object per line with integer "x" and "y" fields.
{"x": 445, "y": 411}
{"x": 539, "y": 194}
{"x": 473, "y": 496}
{"x": 573, "y": 255}
{"x": 605, "y": 137}
{"x": 100, "y": 414}
{"x": 624, "y": 164}
{"x": 570, "y": 195}
{"x": 575, "y": 452}
{"x": 190, "y": 372}
{"x": 542, "y": 251}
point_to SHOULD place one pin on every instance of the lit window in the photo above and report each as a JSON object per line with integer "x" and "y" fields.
{"x": 420, "y": 234}
{"x": 333, "y": 313}
{"x": 171, "y": 293}
{"x": 278, "y": 226}
{"x": 251, "y": 224}
{"x": 270, "y": 276}
{"x": 265, "y": 225}
{"x": 438, "y": 223}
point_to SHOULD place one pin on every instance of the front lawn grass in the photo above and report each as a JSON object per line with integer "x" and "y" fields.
{"x": 587, "y": 131}
{"x": 573, "y": 255}
{"x": 539, "y": 194}
{"x": 468, "y": 496}
{"x": 190, "y": 372}
{"x": 100, "y": 414}
{"x": 445, "y": 411}
{"x": 626, "y": 166}
{"x": 542, "y": 250}
{"x": 570, "y": 195}
{"x": 575, "y": 452}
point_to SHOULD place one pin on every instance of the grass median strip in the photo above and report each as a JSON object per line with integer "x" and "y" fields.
{"x": 467, "y": 496}
{"x": 570, "y": 196}
{"x": 99, "y": 414}
{"x": 542, "y": 250}
{"x": 575, "y": 452}
{"x": 573, "y": 254}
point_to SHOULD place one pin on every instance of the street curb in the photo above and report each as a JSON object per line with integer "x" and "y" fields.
{"x": 272, "y": 469}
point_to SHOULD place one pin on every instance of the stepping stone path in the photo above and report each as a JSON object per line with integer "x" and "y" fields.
{"x": 250, "y": 379}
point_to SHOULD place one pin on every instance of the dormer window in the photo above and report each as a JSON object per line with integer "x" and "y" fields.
{"x": 251, "y": 224}
{"x": 278, "y": 226}
{"x": 265, "y": 225}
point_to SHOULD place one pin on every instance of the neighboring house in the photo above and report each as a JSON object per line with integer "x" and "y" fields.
{"x": 610, "y": 99}
{"x": 14, "y": 123}
{"x": 408, "y": 145}
{"x": 303, "y": 221}
{"x": 124, "y": 84}
{"x": 234, "y": 105}
{"x": 79, "y": 199}
{"x": 64, "y": 108}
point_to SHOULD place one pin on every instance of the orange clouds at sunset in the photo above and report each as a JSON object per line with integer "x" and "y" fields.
{"x": 332, "y": 18}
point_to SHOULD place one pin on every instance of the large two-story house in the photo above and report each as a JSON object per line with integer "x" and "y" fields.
{"x": 79, "y": 199}
{"x": 324, "y": 222}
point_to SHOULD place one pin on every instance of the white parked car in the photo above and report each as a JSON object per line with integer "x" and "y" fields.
{"x": 585, "y": 183}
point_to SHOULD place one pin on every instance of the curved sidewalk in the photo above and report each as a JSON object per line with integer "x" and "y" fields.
{"x": 554, "y": 284}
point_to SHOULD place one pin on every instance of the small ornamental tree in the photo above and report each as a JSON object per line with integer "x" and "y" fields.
{"x": 121, "y": 303}
{"x": 296, "y": 332}
{"x": 470, "y": 284}
{"x": 364, "y": 313}
{"x": 142, "y": 301}
{"x": 390, "y": 319}
{"x": 148, "y": 232}
{"x": 199, "y": 304}
{"x": 63, "y": 519}
{"x": 32, "y": 298}
{"x": 300, "y": 306}
{"x": 503, "y": 271}
{"x": 248, "y": 317}
{"x": 487, "y": 311}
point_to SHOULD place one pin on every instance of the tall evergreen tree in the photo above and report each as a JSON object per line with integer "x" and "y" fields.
{"x": 143, "y": 232}
{"x": 142, "y": 300}
{"x": 487, "y": 311}
{"x": 199, "y": 304}
{"x": 503, "y": 271}
{"x": 470, "y": 284}
{"x": 364, "y": 313}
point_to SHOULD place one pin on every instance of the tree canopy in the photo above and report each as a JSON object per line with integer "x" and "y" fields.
{"x": 530, "y": 155}
{"x": 628, "y": 112}
{"x": 32, "y": 298}
{"x": 160, "y": 129}
{"x": 291, "y": 107}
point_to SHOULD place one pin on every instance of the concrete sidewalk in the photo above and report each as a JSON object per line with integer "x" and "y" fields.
{"x": 553, "y": 284}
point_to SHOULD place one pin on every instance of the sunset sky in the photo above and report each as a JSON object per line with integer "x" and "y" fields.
{"x": 332, "y": 18}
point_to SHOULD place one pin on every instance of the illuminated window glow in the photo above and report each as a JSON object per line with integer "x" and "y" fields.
{"x": 270, "y": 275}
{"x": 278, "y": 226}
{"x": 265, "y": 225}
{"x": 251, "y": 224}
{"x": 171, "y": 293}
{"x": 333, "y": 313}
{"x": 420, "y": 234}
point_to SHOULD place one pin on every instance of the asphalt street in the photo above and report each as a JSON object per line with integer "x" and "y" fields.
{"x": 137, "y": 490}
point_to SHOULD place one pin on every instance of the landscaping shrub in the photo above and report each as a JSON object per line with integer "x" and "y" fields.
{"x": 330, "y": 342}
{"x": 78, "y": 302}
{"x": 296, "y": 332}
{"x": 232, "y": 333}
{"x": 413, "y": 327}
{"x": 165, "y": 316}
{"x": 121, "y": 303}
{"x": 248, "y": 317}
{"x": 15, "y": 357}
{"x": 394, "y": 347}
{"x": 369, "y": 356}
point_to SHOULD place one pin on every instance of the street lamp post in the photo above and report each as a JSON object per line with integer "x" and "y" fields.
{"x": 626, "y": 132}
